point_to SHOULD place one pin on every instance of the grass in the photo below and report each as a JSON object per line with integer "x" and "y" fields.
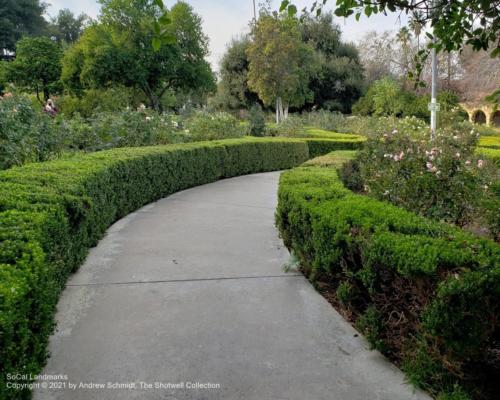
{"x": 492, "y": 142}
{"x": 334, "y": 159}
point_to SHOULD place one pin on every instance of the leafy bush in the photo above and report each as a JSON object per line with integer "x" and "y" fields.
{"x": 386, "y": 97}
{"x": 51, "y": 213}
{"x": 97, "y": 101}
{"x": 442, "y": 179}
{"x": 256, "y": 121}
{"x": 26, "y": 135}
{"x": 427, "y": 291}
{"x": 213, "y": 126}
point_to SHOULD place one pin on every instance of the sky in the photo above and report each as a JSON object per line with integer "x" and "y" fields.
{"x": 225, "y": 19}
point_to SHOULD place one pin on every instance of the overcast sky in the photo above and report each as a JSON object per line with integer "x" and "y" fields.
{"x": 224, "y": 19}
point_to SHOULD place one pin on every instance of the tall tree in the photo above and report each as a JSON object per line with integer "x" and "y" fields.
{"x": 337, "y": 77}
{"x": 119, "y": 50}
{"x": 278, "y": 71}
{"x": 37, "y": 66}
{"x": 19, "y": 18}
{"x": 66, "y": 27}
{"x": 233, "y": 91}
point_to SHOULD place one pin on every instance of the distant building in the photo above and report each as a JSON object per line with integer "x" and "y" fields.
{"x": 482, "y": 113}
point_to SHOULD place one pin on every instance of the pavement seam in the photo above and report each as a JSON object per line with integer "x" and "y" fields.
{"x": 183, "y": 280}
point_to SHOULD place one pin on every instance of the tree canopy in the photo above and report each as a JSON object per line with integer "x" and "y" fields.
{"x": 19, "y": 18}
{"x": 278, "y": 68}
{"x": 66, "y": 27}
{"x": 336, "y": 81}
{"x": 455, "y": 23}
{"x": 37, "y": 66}
{"x": 233, "y": 91}
{"x": 119, "y": 51}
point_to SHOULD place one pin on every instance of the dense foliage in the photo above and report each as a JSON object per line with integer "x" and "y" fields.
{"x": 422, "y": 292}
{"x": 455, "y": 23}
{"x": 19, "y": 18}
{"x": 37, "y": 67}
{"x": 331, "y": 75}
{"x": 118, "y": 51}
{"x": 386, "y": 97}
{"x": 26, "y": 135}
{"x": 444, "y": 179}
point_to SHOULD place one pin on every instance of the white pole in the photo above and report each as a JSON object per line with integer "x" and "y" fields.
{"x": 434, "y": 94}
{"x": 434, "y": 105}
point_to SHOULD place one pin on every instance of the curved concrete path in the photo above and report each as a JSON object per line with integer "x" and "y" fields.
{"x": 192, "y": 289}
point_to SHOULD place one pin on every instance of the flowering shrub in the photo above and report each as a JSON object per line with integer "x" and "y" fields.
{"x": 211, "y": 126}
{"x": 26, "y": 135}
{"x": 442, "y": 179}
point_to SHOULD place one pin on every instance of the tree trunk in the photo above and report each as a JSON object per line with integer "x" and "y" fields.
{"x": 285, "y": 112}
{"x": 154, "y": 100}
{"x": 277, "y": 111}
{"x": 38, "y": 96}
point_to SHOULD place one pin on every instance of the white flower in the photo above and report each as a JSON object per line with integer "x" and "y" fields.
{"x": 480, "y": 163}
{"x": 468, "y": 163}
{"x": 148, "y": 118}
{"x": 394, "y": 131}
{"x": 386, "y": 193}
{"x": 186, "y": 130}
{"x": 455, "y": 137}
{"x": 429, "y": 165}
{"x": 457, "y": 155}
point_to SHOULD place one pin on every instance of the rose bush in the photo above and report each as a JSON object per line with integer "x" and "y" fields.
{"x": 441, "y": 179}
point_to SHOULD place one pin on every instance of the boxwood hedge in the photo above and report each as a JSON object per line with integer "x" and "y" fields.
{"x": 51, "y": 213}
{"x": 423, "y": 292}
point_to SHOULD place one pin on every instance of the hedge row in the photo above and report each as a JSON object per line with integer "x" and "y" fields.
{"x": 52, "y": 213}
{"x": 423, "y": 292}
{"x": 319, "y": 146}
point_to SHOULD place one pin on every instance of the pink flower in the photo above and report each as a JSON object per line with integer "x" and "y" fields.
{"x": 480, "y": 163}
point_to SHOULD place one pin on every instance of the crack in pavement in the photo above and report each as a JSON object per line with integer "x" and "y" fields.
{"x": 184, "y": 280}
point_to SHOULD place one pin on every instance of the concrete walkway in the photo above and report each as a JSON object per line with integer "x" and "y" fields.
{"x": 191, "y": 290}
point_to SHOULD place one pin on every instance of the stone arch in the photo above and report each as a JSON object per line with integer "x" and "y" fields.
{"x": 479, "y": 117}
{"x": 495, "y": 118}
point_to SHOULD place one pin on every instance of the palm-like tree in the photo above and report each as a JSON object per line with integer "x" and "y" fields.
{"x": 417, "y": 24}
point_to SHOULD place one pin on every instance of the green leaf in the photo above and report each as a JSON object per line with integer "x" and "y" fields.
{"x": 292, "y": 10}
{"x": 358, "y": 16}
{"x": 168, "y": 38}
{"x": 165, "y": 19}
{"x": 368, "y": 11}
{"x": 284, "y": 4}
{"x": 159, "y": 3}
{"x": 156, "y": 43}
{"x": 156, "y": 28}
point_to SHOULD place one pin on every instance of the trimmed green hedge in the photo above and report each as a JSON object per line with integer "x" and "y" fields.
{"x": 318, "y": 146}
{"x": 423, "y": 292}
{"x": 52, "y": 213}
